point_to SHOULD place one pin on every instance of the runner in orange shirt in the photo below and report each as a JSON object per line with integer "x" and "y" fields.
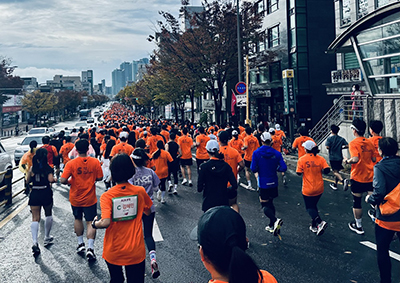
{"x": 82, "y": 173}
{"x": 250, "y": 144}
{"x": 297, "y": 144}
{"x": 26, "y": 163}
{"x": 186, "y": 144}
{"x": 152, "y": 140}
{"x": 123, "y": 241}
{"x": 235, "y": 160}
{"x": 161, "y": 159}
{"x": 201, "y": 152}
{"x": 279, "y": 132}
{"x": 164, "y": 132}
{"x": 123, "y": 146}
{"x": 375, "y": 128}
{"x": 236, "y": 142}
{"x": 65, "y": 149}
{"x": 277, "y": 145}
{"x": 362, "y": 153}
{"x": 311, "y": 166}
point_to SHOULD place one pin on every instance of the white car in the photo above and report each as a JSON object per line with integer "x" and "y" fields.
{"x": 5, "y": 162}
{"x": 41, "y": 130}
{"x": 24, "y": 146}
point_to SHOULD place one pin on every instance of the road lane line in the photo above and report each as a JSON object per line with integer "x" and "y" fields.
{"x": 156, "y": 232}
{"x": 193, "y": 157}
{"x": 14, "y": 213}
{"x": 373, "y": 246}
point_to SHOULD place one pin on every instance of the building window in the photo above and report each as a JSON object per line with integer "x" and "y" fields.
{"x": 350, "y": 61}
{"x": 273, "y": 36}
{"x": 275, "y": 72}
{"x": 381, "y": 3}
{"x": 345, "y": 15}
{"x": 362, "y": 8}
{"x": 261, "y": 42}
{"x": 260, "y": 7}
{"x": 272, "y": 6}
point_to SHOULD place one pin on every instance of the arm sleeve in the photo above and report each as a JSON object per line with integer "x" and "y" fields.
{"x": 282, "y": 165}
{"x": 254, "y": 162}
{"x": 99, "y": 170}
{"x": 67, "y": 171}
{"x": 353, "y": 150}
{"x": 299, "y": 168}
{"x": 379, "y": 184}
{"x": 106, "y": 207}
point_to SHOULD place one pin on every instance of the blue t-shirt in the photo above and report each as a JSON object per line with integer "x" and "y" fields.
{"x": 335, "y": 144}
{"x": 147, "y": 179}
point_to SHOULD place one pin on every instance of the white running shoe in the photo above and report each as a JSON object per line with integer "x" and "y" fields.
{"x": 321, "y": 228}
{"x": 190, "y": 183}
{"x": 162, "y": 200}
{"x": 170, "y": 186}
{"x": 48, "y": 241}
{"x": 159, "y": 195}
{"x": 333, "y": 187}
{"x": 175, "y": 192}
{"x": 184, "y": 181}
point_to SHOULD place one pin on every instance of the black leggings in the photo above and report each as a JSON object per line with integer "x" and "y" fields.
{"x": 134, "y": 273}
{"x": 311, "y": 207}
{"x": 148, "y": 231}
{"x": 174, "y": 173}
{"x": 383, "y": 239}
{"x": 162, "y": 184}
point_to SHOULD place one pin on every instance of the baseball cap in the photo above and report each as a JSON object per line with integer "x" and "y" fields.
{"x": 277, "y": 127}
{"x": 266, "y": 137}
{"x": 271, "y": 130}
{"x": 212, "y": 146}
{"x": 235, "y": 133}
{"x": 309, "y": 145}
{"x": 220, "y": 229}
{"x": 123, "y": 135}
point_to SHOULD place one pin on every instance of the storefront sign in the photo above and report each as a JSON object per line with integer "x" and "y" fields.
{"x": 345, "y": 76}
{"x": 289, "y": 98}
{"x": 208, "y": 104}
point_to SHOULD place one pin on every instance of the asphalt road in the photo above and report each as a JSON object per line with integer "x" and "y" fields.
{"x": 301, "y": 256}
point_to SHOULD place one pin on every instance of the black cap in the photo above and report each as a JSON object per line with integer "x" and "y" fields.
{"x": 220, "y": 229}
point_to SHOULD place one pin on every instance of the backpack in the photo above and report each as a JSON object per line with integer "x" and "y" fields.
{"x": 391, "y": 202}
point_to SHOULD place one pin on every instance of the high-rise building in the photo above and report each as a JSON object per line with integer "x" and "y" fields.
{"x": 126, "y": 68}
{"x": 139, "y": 66}
{"x": 118, "y": 81}
{"x": 87, "y": 81}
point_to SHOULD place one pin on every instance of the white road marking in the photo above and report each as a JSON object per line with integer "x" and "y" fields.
{"x": 373, "y": 246}
{"x": 156, "y": 232}
{"x": 194, "y": 157}
{"x": 14, "y": 213}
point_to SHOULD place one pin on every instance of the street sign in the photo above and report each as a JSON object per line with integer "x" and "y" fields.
{"x": 241, "y": 88}
{"x": 208, "y": 104}
{"x": 289, "y": 98}
{"x": 241, "y": 100}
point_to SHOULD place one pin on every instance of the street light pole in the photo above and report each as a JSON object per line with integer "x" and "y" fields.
{"x": 239, "y": 43}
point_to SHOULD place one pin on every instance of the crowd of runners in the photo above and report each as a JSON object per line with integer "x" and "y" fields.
{"x": 140, "y": 160}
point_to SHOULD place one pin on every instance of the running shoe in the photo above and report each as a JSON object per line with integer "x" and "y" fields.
{"x": 333, "y": 187}
{"x": 353, "y": 227}
{"x": 190, "y": 183}
{"x": 159, "y": 195}
{"x": 313, "y": 229}
{"x": 277, "y": 226}
{"x": 175, "y": 192}
{"x": 371, "y": 213}
{"x": 184, "y": 181}
{"x": 284, "y": 180}
{"x": 162, "y": 200}
{"x": 155, "y": 272}
{"x": 269, "y": 229}
{"x": 90, "y": 255}
{"x": 321, "y": 228}
{"x": 170, "y": 186}
{"x": 48, "y": 241}
{"x": 35, "y": 250}
{"x": 345, "y": 185}
{"x": 81, "y": 248}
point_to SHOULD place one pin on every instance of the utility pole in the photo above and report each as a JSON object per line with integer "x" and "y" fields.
{"x": 240, "y": 74}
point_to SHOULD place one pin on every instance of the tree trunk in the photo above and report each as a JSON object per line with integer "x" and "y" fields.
{"x": 176, "y": 111}
{"x": 191, "y": 93}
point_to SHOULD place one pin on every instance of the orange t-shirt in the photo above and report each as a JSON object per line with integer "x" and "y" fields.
{"x": 162, "y": 164}
{"x": 311, "y": 167}
{"x": 237, "y": 144}
{"x": 298, "y": 143}
{"x": 165, "y": 134}
{"x": 123, "y": 242}
{"x": 375, "y": 142}
{"x": 27, "y": 159}
{"x": 252, "y": 144}
{"x": 267, "y": 278}
{"x": 64, "y": 150}
{"x": 276, "y": 143}
{"x": 84, "y": 171}
{"x": 280, "y": 134}
{"x": 232, "y": 157}
{"x": 363, "y": 170}
{"x": 186, "y": 143}
{"x": 122, "y": 147}
{"x": 100, "y": 138}
{"x": 152, "y": 143}
{"x": 201, "y": 151}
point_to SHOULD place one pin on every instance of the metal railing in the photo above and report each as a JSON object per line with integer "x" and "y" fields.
{"x": 6, "y": 195}
{"x": 345, "y": 109}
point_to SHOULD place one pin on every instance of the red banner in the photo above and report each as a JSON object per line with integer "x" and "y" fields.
{"x": 233, "y": 103}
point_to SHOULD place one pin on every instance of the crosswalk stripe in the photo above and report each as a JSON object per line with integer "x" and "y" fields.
{"x": 156, "y": 232}
{"x": 373, "y": 246}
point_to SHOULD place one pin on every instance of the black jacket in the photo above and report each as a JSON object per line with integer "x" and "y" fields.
{"x": 213, "y": 179}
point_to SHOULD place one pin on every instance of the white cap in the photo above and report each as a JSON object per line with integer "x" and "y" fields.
{"x": 266, "y": 137}
{"x": 144, "y": 132}
{"x": 123, "y": 135}
{"x": 271, "y": 130}
{"x": 277, "y": 127}
{"x": 212, "y": 146}
{"x": 234, "y": 133}
{"x": 309, "y": 145}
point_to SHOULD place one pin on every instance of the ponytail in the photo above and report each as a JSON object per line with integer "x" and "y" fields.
{"x": 242, "y": 268}
{"x": 218, "y": 155}
{"x": 156, "y": 154}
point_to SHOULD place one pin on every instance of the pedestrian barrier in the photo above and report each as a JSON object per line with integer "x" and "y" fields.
{"x": 6, "y": 195}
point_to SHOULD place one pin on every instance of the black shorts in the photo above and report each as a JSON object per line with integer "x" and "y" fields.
{"x": 232, "y": 194}
{"x": 186, "y": 162}
{"x": 89, "y": 211}
{"x": 267, "y": 194}
{"x": 336, "y": 165}
{"x": 247, "y": 163}
{"x": 41, "y": 197}
{"x": 359, "y": 188}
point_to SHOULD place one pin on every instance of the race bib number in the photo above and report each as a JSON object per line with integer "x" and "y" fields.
{"x": 124, "y": 208}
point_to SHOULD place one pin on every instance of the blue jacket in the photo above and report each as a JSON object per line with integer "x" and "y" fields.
{"x": 266, "y": 161}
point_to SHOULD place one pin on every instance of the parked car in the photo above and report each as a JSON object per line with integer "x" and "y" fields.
{"x": 24, "y": 146}
{"x": 81, "y": 124}
{"x": 41, "y": 130}
{"x": 90, "y": 120}
{"x": 96, "y": 114}
{"x": 5, "y": 163}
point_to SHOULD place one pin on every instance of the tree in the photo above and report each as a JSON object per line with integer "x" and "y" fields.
{"x": 39, "y": 103}
{"x": 68, "y": 101}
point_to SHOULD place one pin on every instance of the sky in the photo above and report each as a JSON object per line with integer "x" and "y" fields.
{"x": 44, "y": 38}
